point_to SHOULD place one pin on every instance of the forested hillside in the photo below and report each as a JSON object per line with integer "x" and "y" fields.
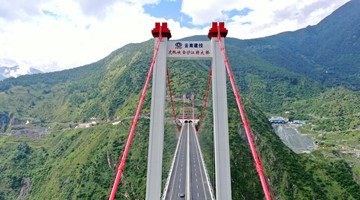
{"x": 327, "y": 52}
{"x": 46, "y": 154}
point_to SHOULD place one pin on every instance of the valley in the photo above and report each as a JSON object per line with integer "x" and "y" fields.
{"x": 61, "y": 133}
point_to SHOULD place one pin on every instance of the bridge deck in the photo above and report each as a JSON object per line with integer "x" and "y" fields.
{"x": 199, "y": 186}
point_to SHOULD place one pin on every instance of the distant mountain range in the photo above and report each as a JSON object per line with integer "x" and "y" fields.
{"x": 15, "y": 71}
{"x": 294, "y": 72}
{"x": 327, "y": 52}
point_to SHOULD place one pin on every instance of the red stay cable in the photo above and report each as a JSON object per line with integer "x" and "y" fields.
{"x": 206, "y": 97}
{"x": 193, "y": 111}
{"x": 182, "y": 124}
{"x": 245, "y": 122}
{"x": 134, "y": 123}
{"x": 172, "y": 102}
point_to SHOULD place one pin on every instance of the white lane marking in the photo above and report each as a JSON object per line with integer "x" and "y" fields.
{"x": 187, "y": 185}
{"x": 181, "y": 143}
{"x": 202, "y": 171}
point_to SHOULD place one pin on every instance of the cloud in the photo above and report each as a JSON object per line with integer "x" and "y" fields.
{"x": 267, "y": 17}
{"x": 100, "y": 9}
{"x": 62, "y": 36}
{"x": 20, "y": 9}
{"x": 5, "y": 62}
{"x": 59, "y": 34}
{"x": 204, "y": 11}
{"x": 95, "y": 7}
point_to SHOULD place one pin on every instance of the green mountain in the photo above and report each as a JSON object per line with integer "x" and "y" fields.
{"x": 15, "y": 71}
{"x": 44, "y": 156}
{"x": 327, "y": 52}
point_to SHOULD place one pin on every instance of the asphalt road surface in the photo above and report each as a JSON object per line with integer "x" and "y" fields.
{"x": 199, "y": 189}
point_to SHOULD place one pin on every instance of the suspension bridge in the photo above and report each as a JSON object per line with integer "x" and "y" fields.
{"x": 188, "y": 178}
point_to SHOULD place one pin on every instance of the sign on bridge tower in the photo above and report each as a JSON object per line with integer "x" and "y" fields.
{"x": 190, "y": 50}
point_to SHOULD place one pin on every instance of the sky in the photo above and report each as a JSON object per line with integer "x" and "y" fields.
{"x": 53, "y": 35}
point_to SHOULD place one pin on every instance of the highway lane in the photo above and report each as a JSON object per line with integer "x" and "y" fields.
{"x": 199, "y": 184}
{"x": 178, "y": 177}
{"x": 199, "y": 187}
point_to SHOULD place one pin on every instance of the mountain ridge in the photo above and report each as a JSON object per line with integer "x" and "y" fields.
{"x": 328, "y": 50}
{"x": 78, "y": 163}
{"x": 16, "y": 71}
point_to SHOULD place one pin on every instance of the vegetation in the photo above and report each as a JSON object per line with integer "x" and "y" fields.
{"x": 315, "y": 51}
{"x": 275, "y": 74}
{"x": 293, "y": 176}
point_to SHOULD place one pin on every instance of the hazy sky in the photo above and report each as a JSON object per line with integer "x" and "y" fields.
{"x": 52, "y": 35}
